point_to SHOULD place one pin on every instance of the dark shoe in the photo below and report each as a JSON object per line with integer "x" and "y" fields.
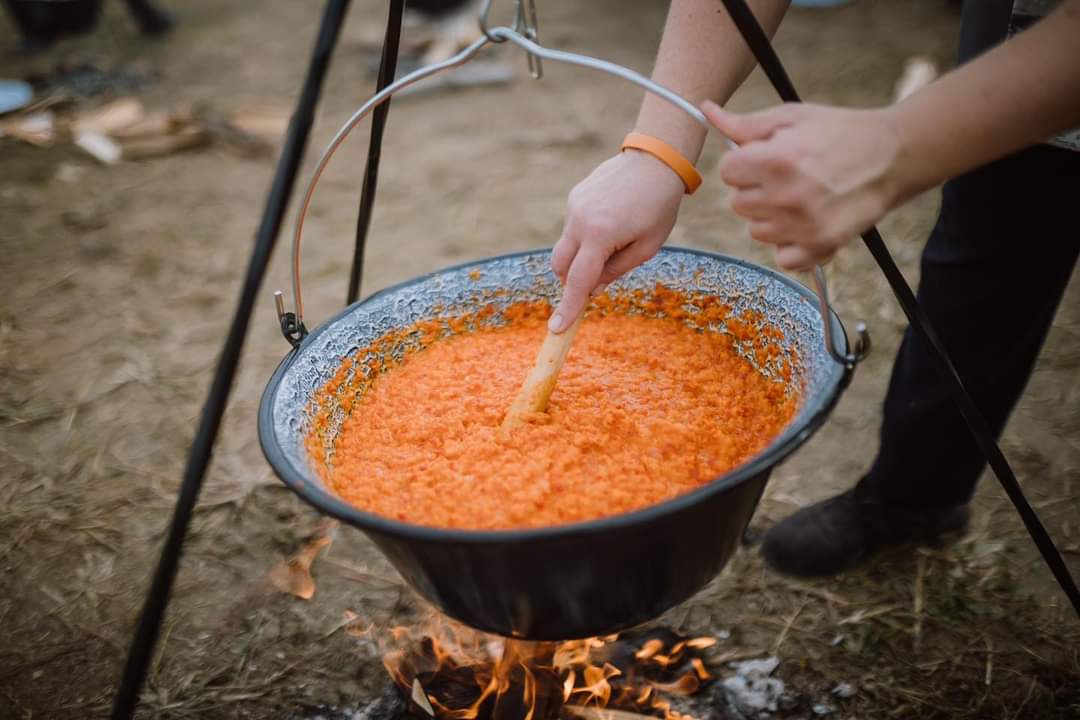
{"x": 839, "y": 533}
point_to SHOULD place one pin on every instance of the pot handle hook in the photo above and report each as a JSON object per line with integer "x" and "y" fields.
{"x": 862, "y": 336}
{"x": 524, "y": 23}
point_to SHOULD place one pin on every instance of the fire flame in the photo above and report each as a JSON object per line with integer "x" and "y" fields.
{"x": 451, "y": 672}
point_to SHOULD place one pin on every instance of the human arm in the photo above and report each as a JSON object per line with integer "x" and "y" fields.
{"x": 810, "y": 178}
{"x": 620, "y": 215}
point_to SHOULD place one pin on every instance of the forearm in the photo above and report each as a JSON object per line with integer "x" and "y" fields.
{"x": 702, "y": 57}
{"x": 1018, "y": 94}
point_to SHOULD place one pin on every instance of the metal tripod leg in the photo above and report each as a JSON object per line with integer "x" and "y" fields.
{"x": 157, "y": 598}
{"x": 387, "y": 71}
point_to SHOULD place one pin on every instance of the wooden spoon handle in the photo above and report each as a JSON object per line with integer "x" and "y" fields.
{"x": 536, "y": 390}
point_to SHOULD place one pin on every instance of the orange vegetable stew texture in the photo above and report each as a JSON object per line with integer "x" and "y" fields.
{"x": 648, "y": 406}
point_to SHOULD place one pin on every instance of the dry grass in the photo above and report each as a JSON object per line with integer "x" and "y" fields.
{"x": 933, "y": 633}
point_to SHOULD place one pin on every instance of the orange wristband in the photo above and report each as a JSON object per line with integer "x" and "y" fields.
{"x": 666, "y": 154}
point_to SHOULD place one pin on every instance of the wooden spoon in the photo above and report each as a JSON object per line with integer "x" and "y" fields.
{"x": 540, "y": 382}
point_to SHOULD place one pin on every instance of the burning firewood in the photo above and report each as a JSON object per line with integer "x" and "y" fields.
{"x": 448, "y": 672}
{"x": 420, "y": 699}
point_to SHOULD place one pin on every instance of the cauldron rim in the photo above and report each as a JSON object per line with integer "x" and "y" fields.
{"x": 323, "y": 500}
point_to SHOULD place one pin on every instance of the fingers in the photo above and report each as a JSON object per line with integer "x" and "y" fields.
{"x": 756, "y": 160}
{"x": 753, "y": 165}
{"x": 797, "y": 257}
{"x": 790, "y": 255}
{"x": 750, "y": 127}
{"x": 563, "y": 253}
{"x": 589, "y": 274}
{"x": 767, "y": 231}
{"x": 787, "y": 183}
{"x": 751, "y": 203}
{"x": 582, "y": 277}
{"x": 626, "y": 260}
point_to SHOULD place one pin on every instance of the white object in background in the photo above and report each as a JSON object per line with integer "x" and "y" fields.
{"x": 918, "y": 73}
{"x": 99, "y": 146}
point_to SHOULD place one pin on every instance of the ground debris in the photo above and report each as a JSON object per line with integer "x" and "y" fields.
{"x": 88, "y": 79}
{"x": 34, "y": 127}
{"x": 752, "y": 690}
{"x": 294, "y": 575}
{"x": 389, "y": 706}
{"x": 124, "y": 130}
{"x": 266, "y": 124}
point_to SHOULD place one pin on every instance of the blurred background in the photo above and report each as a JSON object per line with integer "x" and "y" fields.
{"x": 137, "y": 148}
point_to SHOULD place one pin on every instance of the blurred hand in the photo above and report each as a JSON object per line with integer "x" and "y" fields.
{"x": 616, "y": 219}
{"x": 809, "y": 178}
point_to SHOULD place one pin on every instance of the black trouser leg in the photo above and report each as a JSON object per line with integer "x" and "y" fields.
{"x": 993, "y": 273}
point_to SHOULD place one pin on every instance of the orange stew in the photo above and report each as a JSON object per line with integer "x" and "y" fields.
{"x": 645, "y": 409}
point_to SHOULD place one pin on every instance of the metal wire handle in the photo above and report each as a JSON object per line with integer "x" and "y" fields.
{"x": 293, "y": 324}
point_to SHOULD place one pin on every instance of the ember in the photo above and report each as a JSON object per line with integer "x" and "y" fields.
{"x": 450, "y": 672}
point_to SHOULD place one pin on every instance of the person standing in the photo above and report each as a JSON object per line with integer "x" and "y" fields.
{"x": 808, "y": 179}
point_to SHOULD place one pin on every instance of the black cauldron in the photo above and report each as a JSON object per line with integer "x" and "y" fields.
{"x": 577, "y": 580}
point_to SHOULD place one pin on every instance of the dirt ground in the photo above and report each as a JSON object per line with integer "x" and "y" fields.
{"x": 119, "y": 283}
